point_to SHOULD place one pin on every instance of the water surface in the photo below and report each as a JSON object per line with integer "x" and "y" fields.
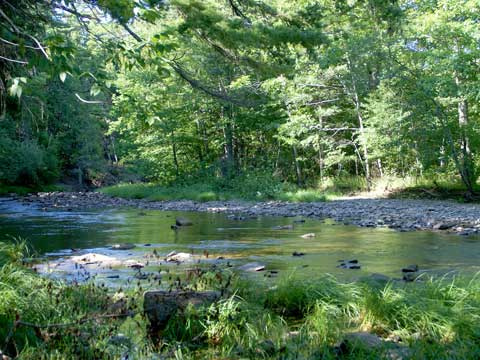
{"x": 379, "y": 250}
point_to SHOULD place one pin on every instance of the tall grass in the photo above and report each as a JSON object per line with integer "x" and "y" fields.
{"x": 286, "y": 318}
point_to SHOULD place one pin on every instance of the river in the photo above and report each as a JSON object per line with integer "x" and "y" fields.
{"x": 378, "y": 250}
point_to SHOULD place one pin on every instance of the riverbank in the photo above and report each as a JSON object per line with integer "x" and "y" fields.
{"x": 399, "y": 214}
{"x": 318, "y": 318}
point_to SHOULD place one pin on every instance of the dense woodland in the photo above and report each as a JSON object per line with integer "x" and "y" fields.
{"x": 98, "y": 91}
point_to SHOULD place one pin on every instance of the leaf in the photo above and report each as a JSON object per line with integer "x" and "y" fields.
{"x": 95, "y": 90}
{"x": 16, "y": 89}
{"x": 63, "y": 76}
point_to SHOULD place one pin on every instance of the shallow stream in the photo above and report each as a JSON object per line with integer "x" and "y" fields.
{"x": 378, "y": 250}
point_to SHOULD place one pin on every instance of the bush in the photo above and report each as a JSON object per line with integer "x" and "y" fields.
{"x": 26, "y": 162}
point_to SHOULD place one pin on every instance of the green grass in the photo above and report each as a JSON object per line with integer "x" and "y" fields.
{"x": 286, "y": 318}
{"x": 204, "y": 193}
{"x": 260, "y": 188}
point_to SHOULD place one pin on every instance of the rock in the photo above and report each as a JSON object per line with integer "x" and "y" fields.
{"x": 309, "y": 235}
{"x": 295, "y": 253}
{"x": 134, "y": 264}
{"x": 443, "y": 225}
{"x": 140, "y": 276}
{"x": 266, "y": 347}
{"x": 410, "y": 276}
{"x": 373, "y": 342}
{"x": 362, "y": 338}
{"x": 178, "y": 257}
{"x": 410, "y": 269}
{"x": 181, "y": 221}
{"x": 236, "y": 217}
{"x": 160, "y": 305}
{"x": 93, "y": 258}
{"x": 283, "y": 227}
{"x": 253, "y": 266}
{"x": 350, "y": 264}
{"x": 122, "y": 246}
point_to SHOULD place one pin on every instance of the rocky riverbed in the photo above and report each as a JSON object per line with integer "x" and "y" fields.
{"x": 402, "y": 215}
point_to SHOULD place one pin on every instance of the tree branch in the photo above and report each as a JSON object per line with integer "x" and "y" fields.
{"x": 88, "y": 101}
{"x": 13, "y": 60}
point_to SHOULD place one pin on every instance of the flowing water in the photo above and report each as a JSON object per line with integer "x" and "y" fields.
{"x": 378, "y": 250}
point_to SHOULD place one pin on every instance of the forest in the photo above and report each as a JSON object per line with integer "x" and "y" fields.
{"x": 239, "y": 179}
{"x": 274, "y": 94}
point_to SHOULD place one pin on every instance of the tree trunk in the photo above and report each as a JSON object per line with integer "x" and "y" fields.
{"x": 298, "y": 170}
{"x": 320, "y": 150}
{"x": 380, "y": 167}
{"x": 361, "y": 129}
{"x": 229, "y": 155}
{"x": 174, "y": 153}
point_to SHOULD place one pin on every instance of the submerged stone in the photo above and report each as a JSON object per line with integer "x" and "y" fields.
{"x": 283, "y": 227}
{"x": 181, "y": 221}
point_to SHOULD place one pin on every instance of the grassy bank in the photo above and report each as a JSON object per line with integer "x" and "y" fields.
{"x": 282, "y": 318}
{"x": 260, "y": 188}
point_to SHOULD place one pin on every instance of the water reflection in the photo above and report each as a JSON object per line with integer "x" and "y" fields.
{"x": 378, "y": 250}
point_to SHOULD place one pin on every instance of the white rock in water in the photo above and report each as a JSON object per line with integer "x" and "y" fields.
{"x": 309, "y": 235}
{"x": 95, "y": 258}
{"x": 178, "y": 257}
{"x": 253, "y": 266}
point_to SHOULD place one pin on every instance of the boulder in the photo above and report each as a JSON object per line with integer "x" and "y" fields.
{"x": 181, "y": 221}
{"x": 160, "y": 305}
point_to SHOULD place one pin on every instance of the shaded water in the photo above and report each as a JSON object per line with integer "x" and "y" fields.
{"x": 378, "y": 250}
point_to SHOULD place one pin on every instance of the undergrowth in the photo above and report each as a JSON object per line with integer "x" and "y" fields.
{"x": 287, "y": 318}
